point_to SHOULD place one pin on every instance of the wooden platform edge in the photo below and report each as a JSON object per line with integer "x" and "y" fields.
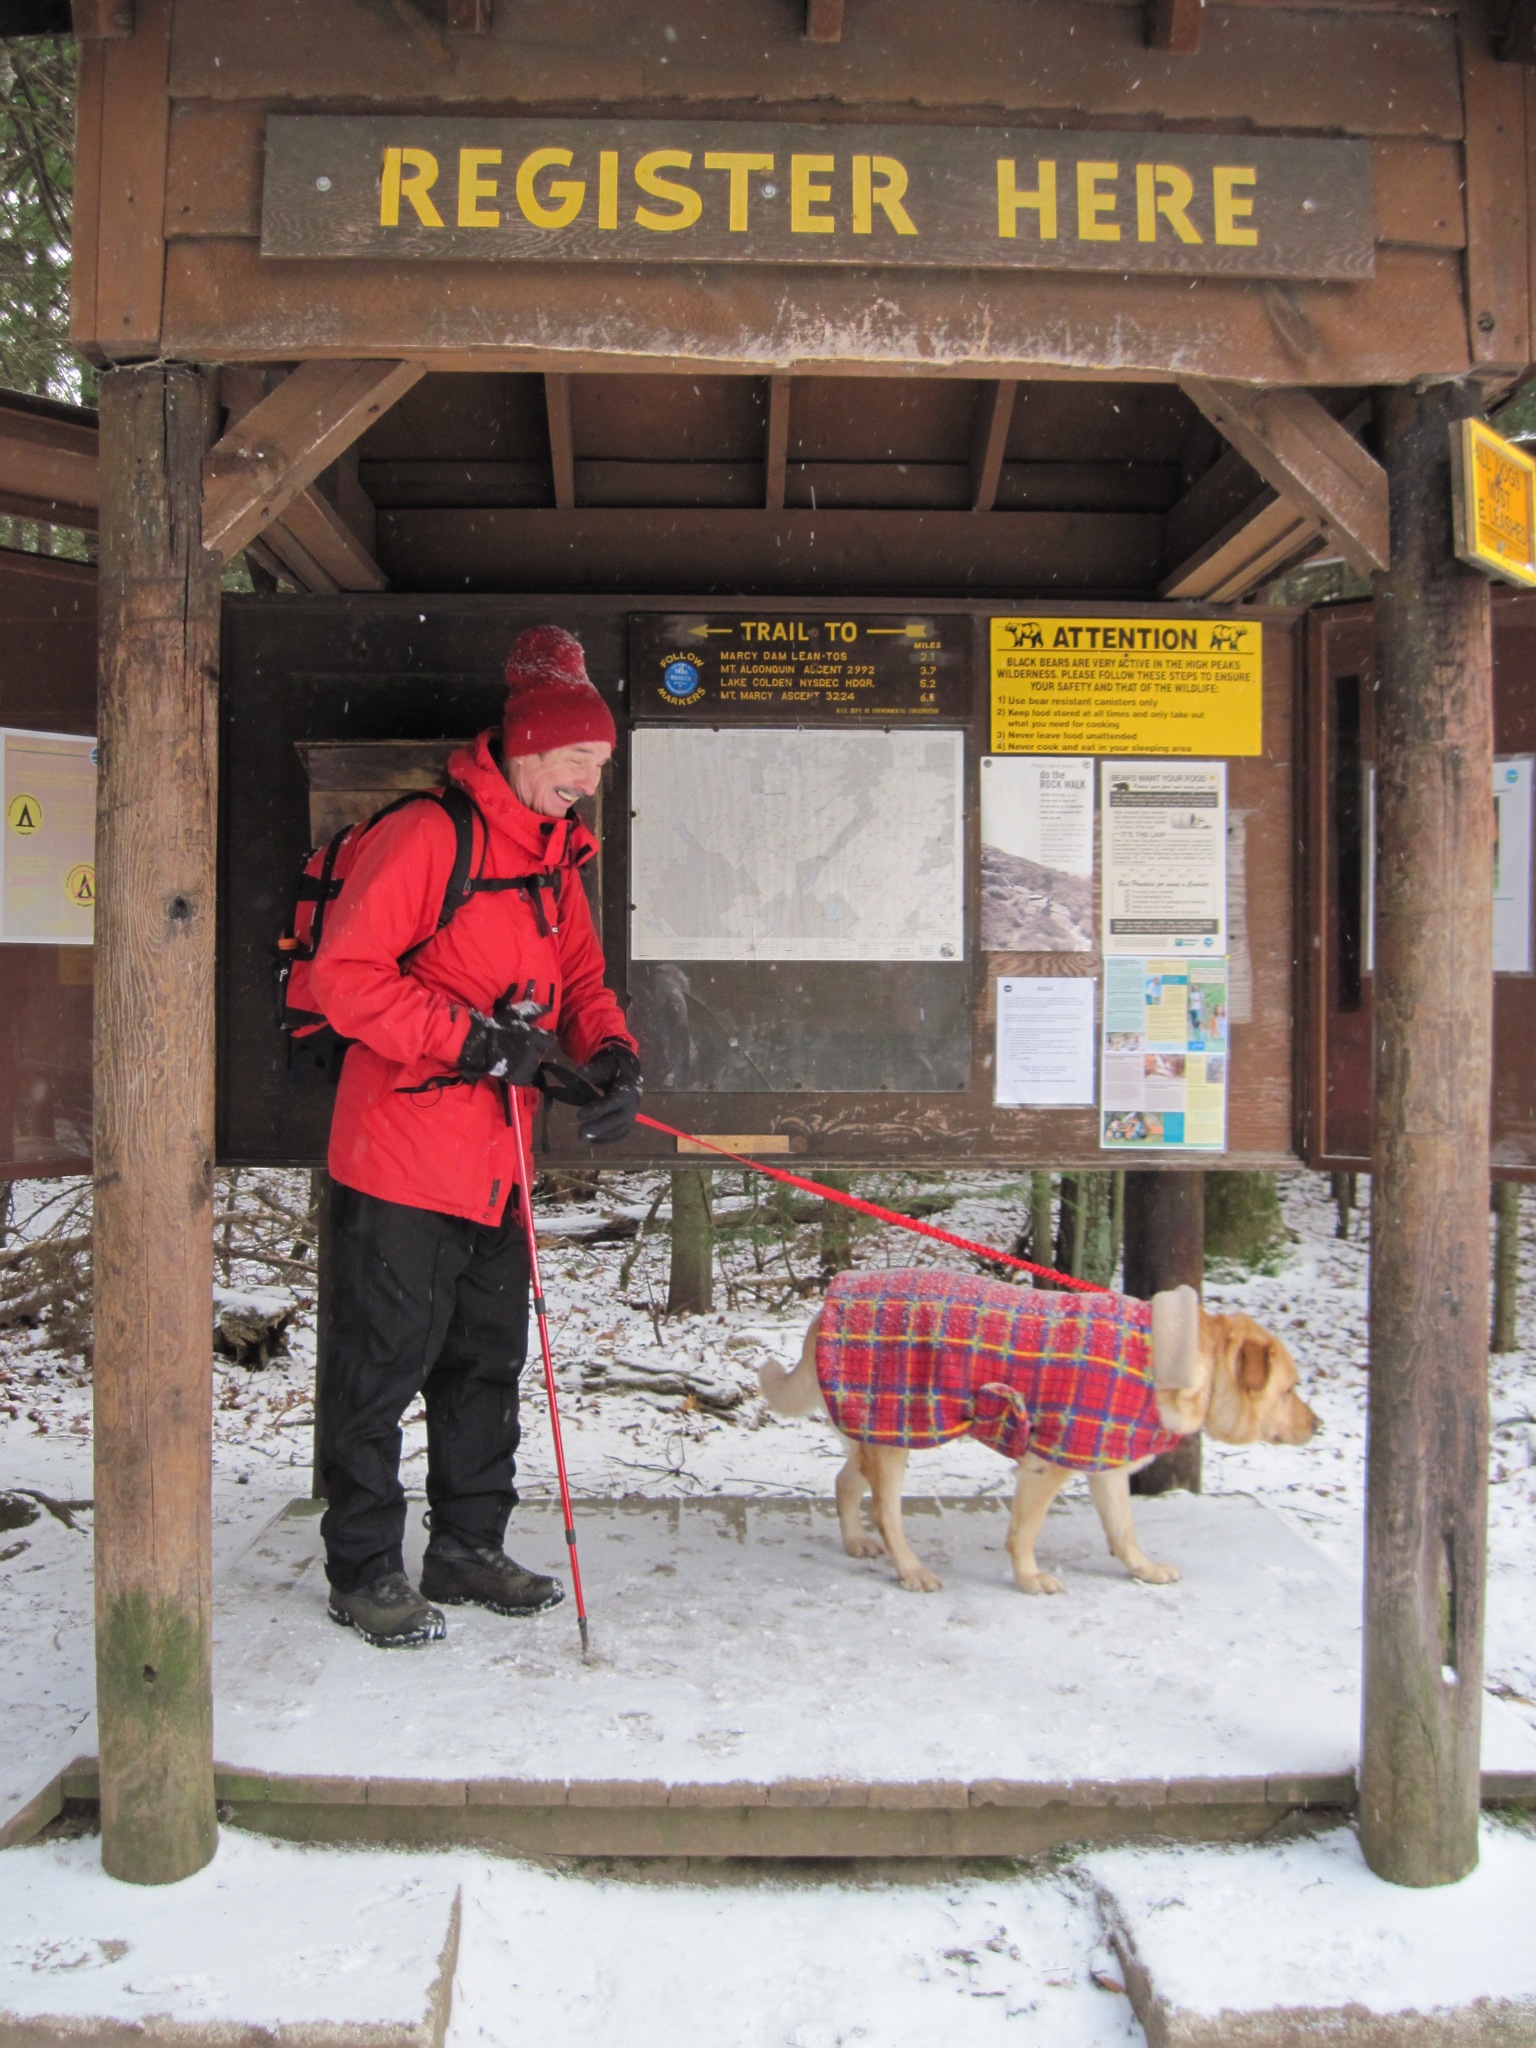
{"x": 814, "y": 1817}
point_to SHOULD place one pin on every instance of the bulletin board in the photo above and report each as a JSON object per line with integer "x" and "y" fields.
{"x": 830, "y": 905}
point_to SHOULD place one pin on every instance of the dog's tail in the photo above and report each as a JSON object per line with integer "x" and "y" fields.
{"x": 797, "y": 1392}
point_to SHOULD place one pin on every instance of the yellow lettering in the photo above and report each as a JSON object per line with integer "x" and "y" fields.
{"x": 740, "y": 163}
{"x": 887, "y": 194}
{"x": 1225, "y": 179}
{"x": 687, "y": 202}
{"x": 1010, "y": 200}
{"x": 566, "y": 193}
{"x": 1167, "y": 190}
{"x": 806, "y": 190}
{"x": 408, "y": 174}
{"x": 1092, "y": 203}
{"x": 473, "y": 188}
{"x": 607, "y": 188}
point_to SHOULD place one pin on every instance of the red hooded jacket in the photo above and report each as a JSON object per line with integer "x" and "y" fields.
{"x": 451, "y": 1148}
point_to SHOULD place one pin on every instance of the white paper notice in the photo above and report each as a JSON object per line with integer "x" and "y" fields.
{"x": 1045, "y": 1042}
{"x": 1036, "y": 854}
{"x": 1512, "y": 865}
{"x": 48, "y": 840}
{"x": 1165, "y": 856}
{"x": 797, "y": 845}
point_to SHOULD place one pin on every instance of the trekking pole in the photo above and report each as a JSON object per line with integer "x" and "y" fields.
{"x": 515, "y": 1109}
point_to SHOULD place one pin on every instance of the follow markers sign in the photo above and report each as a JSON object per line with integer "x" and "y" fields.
{"x": 759, "y": 192}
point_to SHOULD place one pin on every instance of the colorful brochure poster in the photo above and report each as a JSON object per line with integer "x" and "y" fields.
{"x": 1166, "y": 1043}
{"x": 1512, "y": 865}
{"x": 1044, "y": 1042}
{"x": 1036, "y": 854}
{"x": 1165, "y": 857}
{"x": 48, "y": 841}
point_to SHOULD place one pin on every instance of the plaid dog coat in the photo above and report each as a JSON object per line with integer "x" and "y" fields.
{"x": 914, "y": 1356}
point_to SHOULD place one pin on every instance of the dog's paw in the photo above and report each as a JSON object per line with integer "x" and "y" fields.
{"x": 1151, "y": 1574}
{"x": 1039, "y": 1582}
{"x": 865, "y": 1546}
{"x": 921, "y": 1580}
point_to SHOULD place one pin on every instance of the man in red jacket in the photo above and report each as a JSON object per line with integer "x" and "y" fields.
{"x": 429, "y": 1270}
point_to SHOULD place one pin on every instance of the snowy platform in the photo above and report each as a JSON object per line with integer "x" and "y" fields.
{"x": 1268, "y": 1946}
{"x": 756, "y": 1692}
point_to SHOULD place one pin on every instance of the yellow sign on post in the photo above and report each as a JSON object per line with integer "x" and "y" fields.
{"x": 1163, "y": 685}
{"x": 1495, "y": 498}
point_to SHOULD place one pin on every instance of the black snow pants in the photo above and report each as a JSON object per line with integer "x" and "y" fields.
{"x": 419, "y": 1303}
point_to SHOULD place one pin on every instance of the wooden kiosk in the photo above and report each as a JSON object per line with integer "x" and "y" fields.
{"x": 738, "y": 314}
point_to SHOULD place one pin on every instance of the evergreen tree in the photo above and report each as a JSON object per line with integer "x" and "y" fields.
{"x": 37, "y": 136}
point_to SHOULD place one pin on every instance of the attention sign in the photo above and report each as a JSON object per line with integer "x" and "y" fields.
{"x": 555, "y": 190}
{"x": 1165, "y": 685}
{"x": 1495, "y": 495}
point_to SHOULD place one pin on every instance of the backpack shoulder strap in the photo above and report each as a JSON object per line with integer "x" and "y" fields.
{"x": 462, "y": 811}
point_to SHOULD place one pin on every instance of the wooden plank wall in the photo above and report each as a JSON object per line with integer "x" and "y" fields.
{"x": 188, "y": 98}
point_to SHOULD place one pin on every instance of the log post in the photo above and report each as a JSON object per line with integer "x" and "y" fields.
{"x": 1165, "y": 1247}
{"x": 153, "y": 1254}
{"x": 691, "y": 1282}
{"x": 1427, "y": 1428}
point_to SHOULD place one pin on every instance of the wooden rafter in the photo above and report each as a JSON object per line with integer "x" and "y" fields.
{"x": 776, "y": 446}
{"x": 1258, "y": 544}
{"x": 993, "y": 417}
{"x": 824, "y": 21}
{"x": 268, "y": 458}
{"x": 325, "y": 539}
{"x": 1174, "y": 25}
{"x": 1308, "y": 458}
{"x": 562, "y": 439}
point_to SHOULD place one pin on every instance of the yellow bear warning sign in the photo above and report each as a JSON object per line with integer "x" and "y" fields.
{"x": 24, "y": 814}
{"x": 80, "y": 886}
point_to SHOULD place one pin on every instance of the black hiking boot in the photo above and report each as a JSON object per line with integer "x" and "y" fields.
{"x": 389, "y": 1613}
{"x": 456, "y": 1573}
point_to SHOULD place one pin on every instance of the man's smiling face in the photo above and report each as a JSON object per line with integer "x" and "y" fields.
{"x": 550, "y": 783}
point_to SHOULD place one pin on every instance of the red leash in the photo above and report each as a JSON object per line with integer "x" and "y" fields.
{"x": 814, "y": 1187}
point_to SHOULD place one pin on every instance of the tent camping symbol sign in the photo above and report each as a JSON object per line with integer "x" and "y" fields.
{"x": 48, "y": 847}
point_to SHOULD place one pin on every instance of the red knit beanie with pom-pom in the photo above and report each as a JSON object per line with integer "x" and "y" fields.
{"x": 551, "y": 700}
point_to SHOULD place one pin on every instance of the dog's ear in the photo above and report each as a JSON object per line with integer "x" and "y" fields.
{"x": 1254, "y": 1359}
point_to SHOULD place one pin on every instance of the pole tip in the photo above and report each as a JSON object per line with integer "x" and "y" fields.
{"x": 586, "y": 1640}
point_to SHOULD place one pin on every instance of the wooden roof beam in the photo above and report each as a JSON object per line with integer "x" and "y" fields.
{"x": 562, "y": 439}
{"x": 994, "y": 416}
{"x": 1308, "y": 458}
{"x": 776, "y": 447}
{"x": 275, "y": 452}
{"x": 1266, "y": 538}
{"x": 1173, "y": 25}
{"x": 48, "y": 463}
{"x": 824, "y": 21}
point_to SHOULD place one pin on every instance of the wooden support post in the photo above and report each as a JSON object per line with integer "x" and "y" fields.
{"x": 1427, "y": 1426}
{"x": 1506, "y": 1266}
{"x": 1311, "y": 459}
{"x": 1165, "y": 1247}
{"x": 155, "y": 844}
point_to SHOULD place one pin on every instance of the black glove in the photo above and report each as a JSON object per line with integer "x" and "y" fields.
{"x": 505, "y": 1048}
{"x": 614, "y": 1073}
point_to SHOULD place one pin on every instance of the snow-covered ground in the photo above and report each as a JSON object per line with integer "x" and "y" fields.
{"x": 662, "y": 1407}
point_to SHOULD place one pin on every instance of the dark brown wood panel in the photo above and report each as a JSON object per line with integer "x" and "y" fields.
{"x": 863, "y": 552}
{"x": 1498, "y": 231}
{"x": 47, "y": 683}
{"x": 670, "y": 419}
{"x": 224, "y": 304}
{"x": 123, "y": 135}
{"x": 1418, "y": 192}
{"x": 895, "y": 420}
{"x": 1273, "y": 68}
{"x": 1335, "y": 1095}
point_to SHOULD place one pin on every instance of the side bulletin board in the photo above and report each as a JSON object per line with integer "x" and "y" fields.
{"x": 926, "y": 885}
{"x": 1335, "y": 1103}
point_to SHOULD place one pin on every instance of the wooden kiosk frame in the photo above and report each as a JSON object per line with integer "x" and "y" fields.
{"x": 252, "y": 333}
